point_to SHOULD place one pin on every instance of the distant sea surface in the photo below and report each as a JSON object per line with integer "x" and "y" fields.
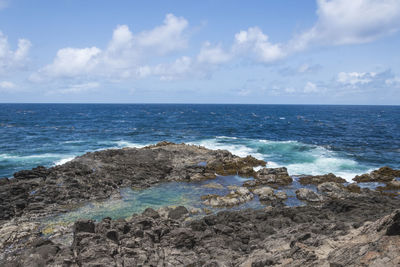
{"x": 307, "y": 139}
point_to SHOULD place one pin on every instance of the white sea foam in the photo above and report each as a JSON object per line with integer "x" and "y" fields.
{"x": 63, "y": 161}
{"x": 123, "y": 143}
{"x": 297, "y": 157}
{"x": 236, "y": 149}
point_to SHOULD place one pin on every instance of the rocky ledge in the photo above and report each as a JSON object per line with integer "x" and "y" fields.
{"x": 361, "y": 232}
{"x": 339, "y": 225}
{"x": 100, "y": 175}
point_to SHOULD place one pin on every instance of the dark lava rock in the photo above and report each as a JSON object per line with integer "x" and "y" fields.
{"x": 84, "y": 226}
{"x": 384, "y": 174}
{"x": 178, "y": 213}
{"x": 99, "y": 175}
{"x": 270, "y": 176}
{"x": 319, "y": 179}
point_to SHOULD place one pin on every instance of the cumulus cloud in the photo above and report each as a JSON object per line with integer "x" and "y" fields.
{"x": 368, "y": 81}
{"x": 255, "y": 41}
{"x": 213, "y": 54}
{"x": 7, "y": 85}
{"x": 73, "y": 61}
{"x": 340, "y": 22}
{"x": 310, "y": 88}
{"x": 167, "y": 37}
{"x": 124, "y": 55}
{"x": 350, "y": 22}
{"x": 175, "y": 70}
{"x": 9, "y": 58}
{"x": 353, "y": 78}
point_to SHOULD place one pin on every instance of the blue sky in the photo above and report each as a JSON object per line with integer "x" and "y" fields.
{"x": 272, "y": 52}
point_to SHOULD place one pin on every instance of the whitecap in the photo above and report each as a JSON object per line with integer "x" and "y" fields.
{"x": 299, "y": 158}
{"x": 63, "y": 161}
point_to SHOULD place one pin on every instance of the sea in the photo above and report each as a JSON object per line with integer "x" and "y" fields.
{"x": 307, "y": 139}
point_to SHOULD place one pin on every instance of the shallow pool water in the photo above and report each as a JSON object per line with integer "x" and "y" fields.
{"x": 175, "y": 194}
{"x": 167, "y": 194}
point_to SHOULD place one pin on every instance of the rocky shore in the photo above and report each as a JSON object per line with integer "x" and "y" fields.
{"x": 339, "y": 224}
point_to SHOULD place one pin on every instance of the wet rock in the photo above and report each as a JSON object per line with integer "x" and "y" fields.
{"x": 265, "y": 193}
{"x": 273, "y": 176}
{"x": 384, "y": 174}
{"x": 235, "y": 197}
{"x": 308, "y": 195}
{"x": 319, "y": 179}
{"x": 281, "y": 195}
{"x": 354, "y": 188}
{"x": 293, "y": 236}
{"x": 178, "y": 213}
{"x": 334, "y": 190}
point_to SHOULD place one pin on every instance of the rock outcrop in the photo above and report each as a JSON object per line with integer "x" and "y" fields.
{"x": 270, "y": 176}
{"x": 237, "y": 196}
{"x": 319, "y": 179}
{"x": 98, "y": 175}
{"x": 384, "y": 174}
{"x": 338, "y": 233}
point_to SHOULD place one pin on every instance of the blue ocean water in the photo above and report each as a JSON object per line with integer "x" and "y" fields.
{"x": 307, "y": 139}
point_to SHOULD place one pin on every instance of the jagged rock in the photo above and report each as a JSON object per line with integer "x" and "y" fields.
{"x": 334, "y": 190}
{"x": 235, "y": 197}
{"x": 149, "y": 212}
{"x": 384, "y": 174}
{"x": 270, "y": 176}
{"x": 265, "y": 193}
{"x": 178, "y": 213}
{"x": 99, "y": 175}
{"x": 308, "y": 195}
{"x": 319, "y": 179}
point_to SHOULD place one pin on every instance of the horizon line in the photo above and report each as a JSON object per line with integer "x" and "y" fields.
{"x": 172, "y": 103}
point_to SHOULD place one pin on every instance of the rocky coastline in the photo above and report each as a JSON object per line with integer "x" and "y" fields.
{"x": 339, "y": 223}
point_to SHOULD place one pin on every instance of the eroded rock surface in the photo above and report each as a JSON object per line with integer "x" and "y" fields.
{"x": 338, "y": 233}
{"x": 99, "y": 175}
{"x": 319, "y": 179}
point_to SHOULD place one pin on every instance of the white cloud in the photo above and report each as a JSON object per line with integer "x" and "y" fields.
{"x": 310, "y": 88}
{"x": 395, "y": 82}
{"x": 353, "y": 78}
{"x": 213, "y": 54}
{"x": 165, "y": 38}
{"x": 179, "y": 68}
{"x": 255, "y": 41}
{"x": 10, "y": 59}
{"x": 79, "y": 88}
{"x": 350, "y": 22}
{"x": 7, "y": 85}
{"x": 73, "y": 62}
{"x": 124, "y": 55}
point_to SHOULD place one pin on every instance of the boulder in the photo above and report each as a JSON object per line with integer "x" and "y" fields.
{"x": 178, "y": 212}
{"x": 273, "y": 176}
{"x": 308, "y": 195}
{"x": 383, "y": 175}
{"x": 319, "y": 179}
{"x": 235, "y": 197}
{"x": 265, "y": 193}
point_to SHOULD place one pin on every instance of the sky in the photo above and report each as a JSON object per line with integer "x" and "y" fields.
{"x": 210, "y": 51}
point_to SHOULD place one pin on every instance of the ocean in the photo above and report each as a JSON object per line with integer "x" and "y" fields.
{"x": 307, "y": 139}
